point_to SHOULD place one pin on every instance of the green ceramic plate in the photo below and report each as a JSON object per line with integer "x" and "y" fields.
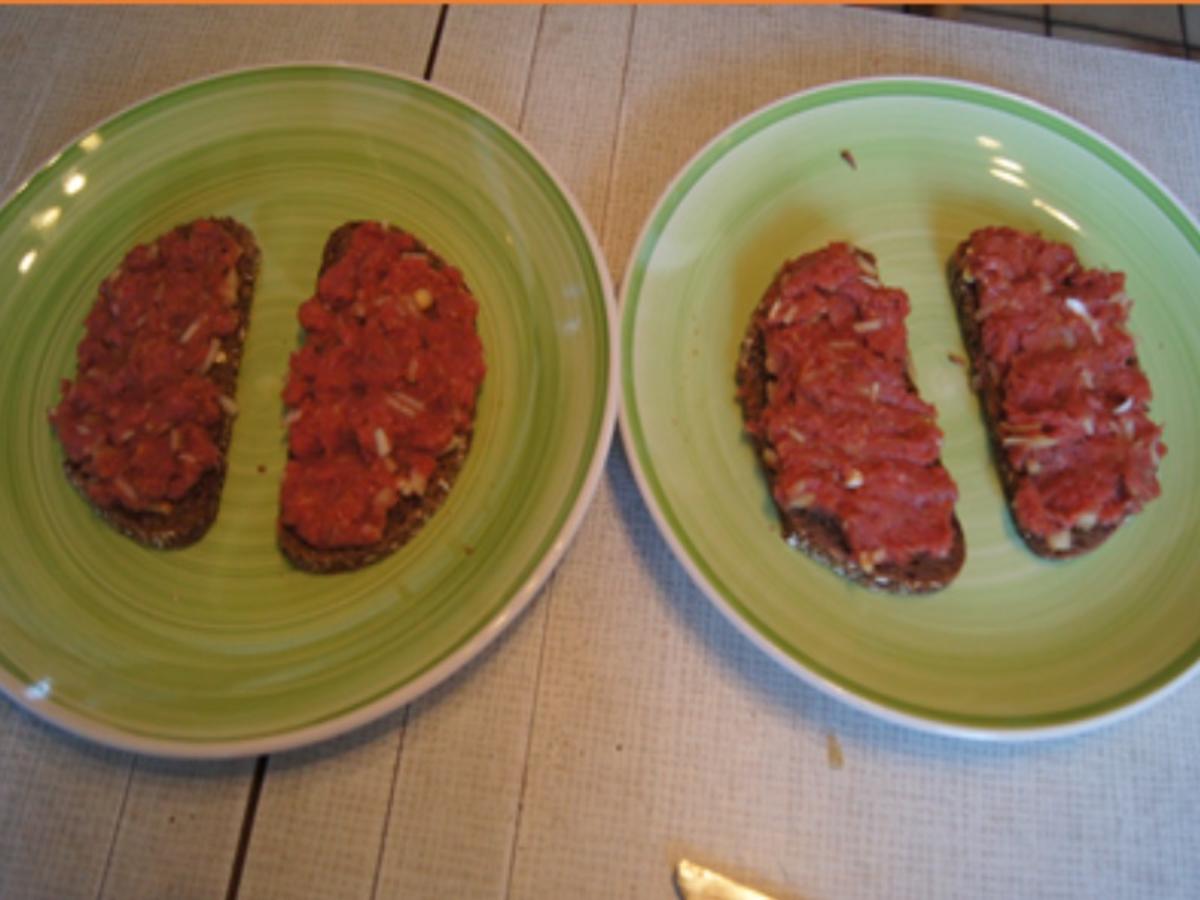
{"x": 1017, "y": 646}
{"x": 221, "y": 648}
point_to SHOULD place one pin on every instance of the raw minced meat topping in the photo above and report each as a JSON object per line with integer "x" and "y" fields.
{"x": 847, "y": 435}
{"x": 142, "y": 417}
{"x": 1073, "y": 401}
{"x": 384, "y": 385}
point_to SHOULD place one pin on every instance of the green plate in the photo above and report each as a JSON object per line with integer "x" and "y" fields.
{"x": 222, "y": 649}
{"x": 1017, "y": 647}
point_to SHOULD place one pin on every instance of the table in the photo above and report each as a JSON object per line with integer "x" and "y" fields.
{"x": 621, "y": 722}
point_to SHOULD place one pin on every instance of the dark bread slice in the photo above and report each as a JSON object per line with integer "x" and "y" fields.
{"x": 192, "y": 516}
{"x": 409, "y": 514}
{"x": 966, "y": 304}
{"x": 818, "y": 534}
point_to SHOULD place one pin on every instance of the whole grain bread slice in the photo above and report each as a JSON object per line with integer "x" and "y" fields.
{"x": 964, "y": 291}
{"x": 816, "y": 533}
{"x": 191, "y": 517}
{"x": 410, "y": 513}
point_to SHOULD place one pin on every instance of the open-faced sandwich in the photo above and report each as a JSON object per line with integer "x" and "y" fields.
{"x": 851, "y": 452}
{"x": 380, "y": 398}
{"x": 146, "y": 422}
{"x": 1064, "y": 398}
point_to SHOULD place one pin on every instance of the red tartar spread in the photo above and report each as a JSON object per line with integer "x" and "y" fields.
{"x": 143, "y": 414}
{"x": 1073, "y": 402}
{"x": 385, "y": 384}
{"x": 852, "y": 438}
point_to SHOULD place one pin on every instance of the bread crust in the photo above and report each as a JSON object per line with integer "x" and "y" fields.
{"x": 405, "y": 519}
{"x": 192, "y": 516}
{"x": 818, "y": 534}
{"x": 409, "y": 514}
{"x": 966, "y": 304}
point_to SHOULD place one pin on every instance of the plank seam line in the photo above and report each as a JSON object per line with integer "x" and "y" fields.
{"x": 437, "y": 41}
{"x": 243, "y": 844}
{"x": 387, "y": 821}
{"x": 537, "y": 687}
{"x": 537, "y": 39}
{"x": 614, "y": 154}
{"x": 116, "y": 833}
{"x": 547, "y": 590}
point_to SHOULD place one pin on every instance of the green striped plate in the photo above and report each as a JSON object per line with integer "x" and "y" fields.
{"x": 1017, "y": 647}
{"x": 221, "y": 648}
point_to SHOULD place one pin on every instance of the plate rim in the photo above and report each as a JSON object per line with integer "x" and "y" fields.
{"x": 979, "y": 728}
{"x": 25, "y": 695}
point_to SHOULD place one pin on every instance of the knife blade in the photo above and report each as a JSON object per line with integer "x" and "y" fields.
{"x": 695, "y": 882}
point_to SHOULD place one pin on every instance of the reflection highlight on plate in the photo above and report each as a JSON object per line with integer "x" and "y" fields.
{"x": 46, "y": 218}
{"x": 1005, "y": 175}
{"x": 74, "y": 184}
{"x": 1056, "y": 213}
{"x": 39, "y": 690}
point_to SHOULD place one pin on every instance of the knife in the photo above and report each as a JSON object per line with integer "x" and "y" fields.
{"x": 695, "y": 882}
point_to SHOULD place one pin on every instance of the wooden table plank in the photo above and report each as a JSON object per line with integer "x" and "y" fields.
{"x": 60, "y": 799}
{"x": 575, "y": 99}
{"x": 449, "y": 832}
{"x": 504, "y": 37}
{"x": 661, "y": 732}
{"x": 179, "y": 829}
{"x": 320, "y": 819}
